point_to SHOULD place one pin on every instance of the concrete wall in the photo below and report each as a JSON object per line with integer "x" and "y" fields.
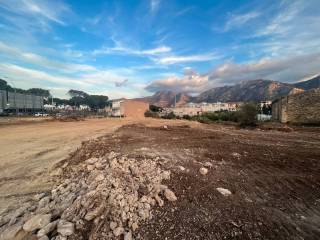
{"x": 301, "y": 108}
{"x": 134, "y": 109}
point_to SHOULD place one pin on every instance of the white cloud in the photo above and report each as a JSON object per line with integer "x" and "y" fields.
{"x": 167, "y": 60}
{"x": 129, "y": 51}
{"x": 289, "y": 69}
{"x": 28, "y": 57}
{"x": 237, "y": 20}
{"x": 35, "y": 12}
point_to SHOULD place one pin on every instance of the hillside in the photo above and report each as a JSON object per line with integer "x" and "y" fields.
{"x": 167, "y": 99}
{"x": 255, "y": 90}
{"x": 309, "y": 84}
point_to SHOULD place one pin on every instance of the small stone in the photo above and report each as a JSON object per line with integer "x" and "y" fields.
{"x": 11, "y": 232}
{"x": 113, "y": 225}
{"x": 225, "y": 192}
{"x": 181, "y": 168}
{"x": 134, "y": 226}
{"x": 47, "y": 229}
{"x": 208, "y": 164}
{"x": 65, "y": 228}
{"x": 118, "y": 231}
{"x": 92, "y": 160}
{"x": 99, "y": 178}
{"x": 170, "y": 195}
{"x": 45, "y": 237}
{"x": 128, "y": 236}
{"x": 37, "y": 222}
{"x": 203, "y": 171}
{"x": 90, "y": 168}
{"x": 235, "y": 154}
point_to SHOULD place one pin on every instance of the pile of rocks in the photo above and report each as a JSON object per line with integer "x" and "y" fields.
{"x": 104, "y": 198}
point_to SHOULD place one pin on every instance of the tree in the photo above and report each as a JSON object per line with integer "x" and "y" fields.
{"x": 77, "y": 93}
{"x": 38, "y": 92}
{"x": 155, "y": 108}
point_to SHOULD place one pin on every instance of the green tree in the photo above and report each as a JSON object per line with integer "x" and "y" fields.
{"x": 247, "y": 115}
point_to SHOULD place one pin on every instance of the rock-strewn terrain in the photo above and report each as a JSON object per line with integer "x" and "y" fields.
{"x": 177, "y": 182}
{"x": 103, "y": 197}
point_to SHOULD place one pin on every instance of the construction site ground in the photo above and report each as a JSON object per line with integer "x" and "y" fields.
{"x": 273, "y": 175}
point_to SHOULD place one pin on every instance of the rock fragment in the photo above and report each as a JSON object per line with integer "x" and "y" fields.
{"x": 203, "y": 171}
{"x": 65, "y": 228}
{"x": 37, "y": 222}
{"x": 170, "y": 195}
{"x": 225, "y": 192}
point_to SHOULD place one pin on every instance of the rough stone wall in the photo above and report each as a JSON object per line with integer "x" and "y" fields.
{"x": 301, "y": 108}
{"x": 134, "y": 109}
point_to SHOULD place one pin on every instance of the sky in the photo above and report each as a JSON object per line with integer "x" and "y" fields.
{"x": 134, "y": 48}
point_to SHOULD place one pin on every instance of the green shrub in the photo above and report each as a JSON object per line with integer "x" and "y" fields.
{"x": 247, "y": 115}
{"x": 149, "y": 113}
{"x": 170, "y": 115}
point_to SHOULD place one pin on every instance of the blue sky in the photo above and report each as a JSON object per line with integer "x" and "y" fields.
{"x": 133, "y": 48}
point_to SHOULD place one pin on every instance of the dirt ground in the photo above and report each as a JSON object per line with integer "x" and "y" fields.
{"x": 30, "y": 147}
{"x": 273, "y": 175}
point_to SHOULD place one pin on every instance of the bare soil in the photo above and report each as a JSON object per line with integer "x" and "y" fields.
{"x": 273, "y": 176}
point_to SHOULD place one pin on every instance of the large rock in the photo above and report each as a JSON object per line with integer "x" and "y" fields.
{"x": 37, "y": 222}
{"x": 65, "y": 228}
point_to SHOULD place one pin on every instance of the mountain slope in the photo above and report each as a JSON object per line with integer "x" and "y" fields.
{"x": 255, "y": 90}
{"x": 309, "y": 84}
{"x": 167, "y": 99}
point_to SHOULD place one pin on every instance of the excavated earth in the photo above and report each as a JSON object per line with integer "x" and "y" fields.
{"x": 177, "y": 182}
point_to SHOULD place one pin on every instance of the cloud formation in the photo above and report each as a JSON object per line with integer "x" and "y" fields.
{"x": 289, "y": 69}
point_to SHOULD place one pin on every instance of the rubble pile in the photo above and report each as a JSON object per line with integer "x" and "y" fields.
{"x": 105, "y": 197}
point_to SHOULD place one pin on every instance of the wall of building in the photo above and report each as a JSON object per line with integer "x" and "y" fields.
{"x": 11, "y": 100}
{"x": 301, "y": 108}
{"x": 134, "y": 109}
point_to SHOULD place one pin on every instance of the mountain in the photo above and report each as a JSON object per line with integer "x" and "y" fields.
{"x": 167, "y": 99}
{"x": 309, "y": 84}
{"x": 254, "y": 90}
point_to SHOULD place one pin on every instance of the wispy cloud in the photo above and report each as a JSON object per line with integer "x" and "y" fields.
{"x": 121, "y": 83}
{"x": 14, "y": 53}
{"x": 130, "y": 51}
{"x": 238, "y": 20}
{"x": 189, "y": 58}
{"x": 154, "y": 5}
{"x": 41, "y": 12}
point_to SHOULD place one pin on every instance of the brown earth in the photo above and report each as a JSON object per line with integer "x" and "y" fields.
{"x": 273, "y": 175}
{"x": 30, "y": 147}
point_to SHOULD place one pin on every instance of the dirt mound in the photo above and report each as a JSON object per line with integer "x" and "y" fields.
{"x": 103, "y": 197}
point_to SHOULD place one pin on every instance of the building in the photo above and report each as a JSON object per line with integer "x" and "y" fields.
{"x": 128, "y": 108}
{"x": 20, "y": 102}
{"x": 193, "y": 109}
{"x": 299, "y": 108}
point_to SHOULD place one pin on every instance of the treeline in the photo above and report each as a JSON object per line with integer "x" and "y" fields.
{"x": 35, "y": 91}
{"x": 77, "y": 97}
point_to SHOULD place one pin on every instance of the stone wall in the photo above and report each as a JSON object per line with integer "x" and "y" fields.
{"x": 301, "y": 108}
